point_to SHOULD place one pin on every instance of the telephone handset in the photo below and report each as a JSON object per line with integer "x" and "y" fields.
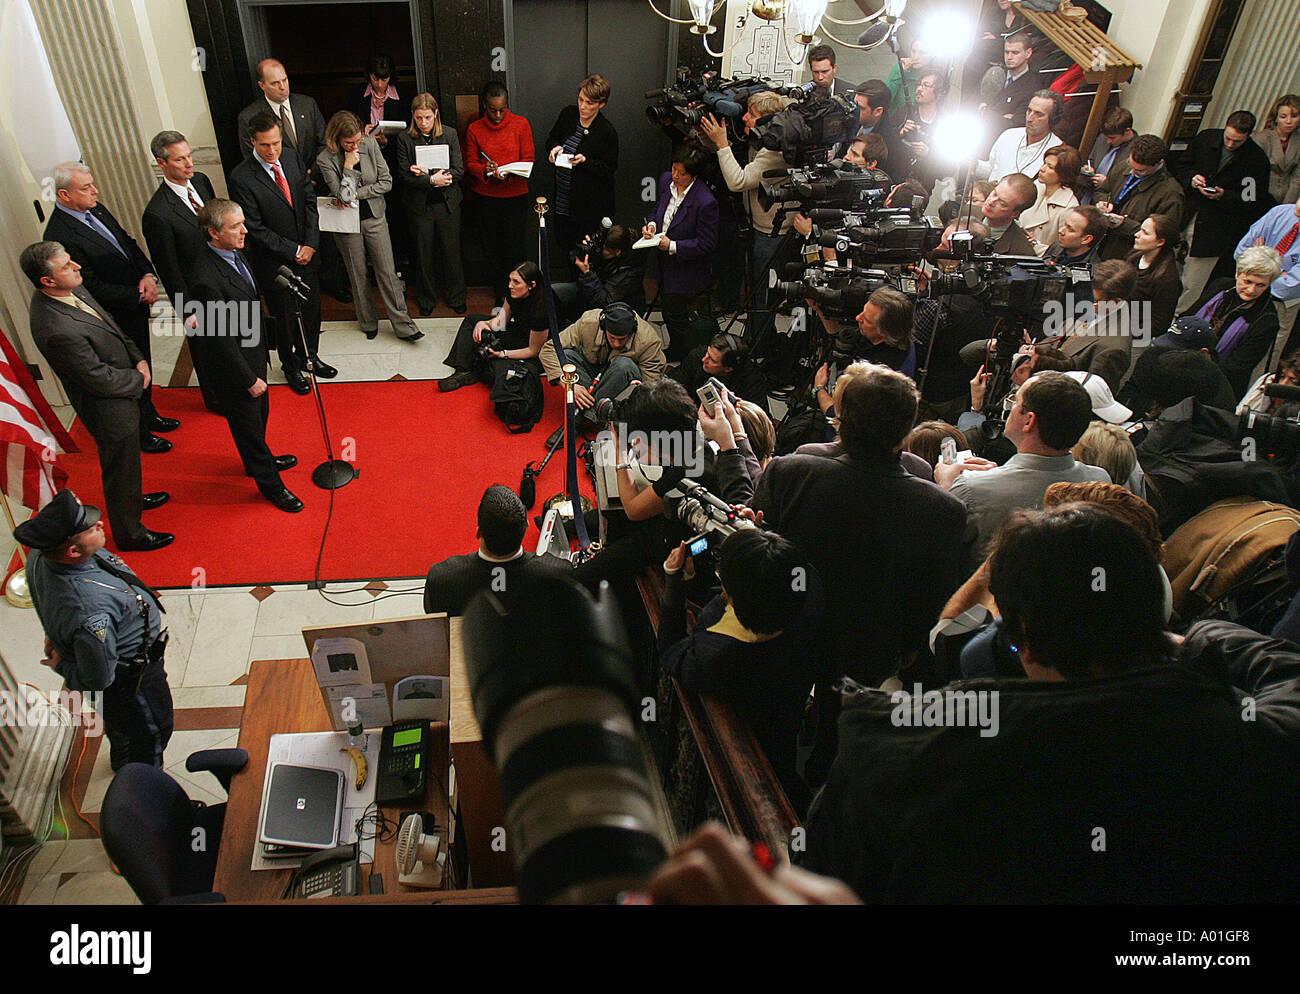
{"x": 330, "y": 873}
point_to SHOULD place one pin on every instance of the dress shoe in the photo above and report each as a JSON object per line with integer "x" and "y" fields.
{"x": 372, "y": 334}
{"x": 156, "y": 499}
{"x": 342, "y": 294}
{"x": 457, "y": 380}
{"x": 324, "y": 370}
{"x": 150, "y": 541}
{"x": 284, "y": 500}
{"x": 159, "y": 423}
{"x": 412, "y": 338}
{"x": 459, "y": 308}
{"x": 297, "y": 382}
{"x": 152, "y": 443}
{"x": 285, "y": 462}
{"x": 426, "y": 311}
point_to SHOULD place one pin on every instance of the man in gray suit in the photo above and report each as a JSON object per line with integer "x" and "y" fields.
{"x": 104, "y": 374}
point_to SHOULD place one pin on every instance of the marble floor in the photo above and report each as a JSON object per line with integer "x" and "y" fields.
{"x": 215, "y": 634}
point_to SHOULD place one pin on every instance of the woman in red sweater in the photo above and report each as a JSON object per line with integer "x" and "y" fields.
{"x": 495, "y": 140}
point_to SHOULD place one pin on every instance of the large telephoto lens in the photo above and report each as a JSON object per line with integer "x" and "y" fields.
{"x": 555, "y": 696}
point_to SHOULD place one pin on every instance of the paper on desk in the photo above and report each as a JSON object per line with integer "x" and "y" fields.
{"x": 334, "y": 215}
{"x": 370, "y": 701}
{"x": 324, "y": 749}
{"x": 433, "y": 157}
{"x": 564, "y": 161}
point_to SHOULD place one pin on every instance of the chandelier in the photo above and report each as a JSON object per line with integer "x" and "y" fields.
{"x": 808, "y": 18}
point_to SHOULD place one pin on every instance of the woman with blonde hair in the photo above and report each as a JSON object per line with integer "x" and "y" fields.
{"x": 352, "y": 166}
{"x": 431, "y": 195}
{"x": 1109, "y": 447}
{"x": 1242, "y": 315}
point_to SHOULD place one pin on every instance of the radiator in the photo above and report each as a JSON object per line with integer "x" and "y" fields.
{"x": 34, "y": 748}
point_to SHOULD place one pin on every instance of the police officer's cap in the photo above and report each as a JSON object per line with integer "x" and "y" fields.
{"x": 56, "y": 522}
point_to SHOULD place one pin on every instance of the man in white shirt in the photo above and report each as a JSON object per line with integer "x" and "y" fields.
{"x": 1021, "y": 150}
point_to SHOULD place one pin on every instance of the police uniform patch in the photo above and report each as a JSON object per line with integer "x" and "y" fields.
{"x": 97, "y": 625}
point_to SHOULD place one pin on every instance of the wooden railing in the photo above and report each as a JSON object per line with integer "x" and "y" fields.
{"x": 710, "y": 761}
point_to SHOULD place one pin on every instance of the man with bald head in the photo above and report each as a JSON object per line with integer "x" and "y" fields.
{"x": 299, "y": 115}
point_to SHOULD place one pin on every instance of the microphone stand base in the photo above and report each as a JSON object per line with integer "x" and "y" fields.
{"x": 333, "y": 474}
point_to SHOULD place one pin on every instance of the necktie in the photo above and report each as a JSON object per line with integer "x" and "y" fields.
{"x": 286, "y": 125}
{"x": 129, "y": 578}
{"x": 195, "y": 203}
{"x": 81, "y": 305}
{"x": 281, "y": 182}
{"x": 98, "y": 226}
{"x": 1129, "y": 183}
{"x": 243, "y": 271}
{"x": 1288, "y": 239}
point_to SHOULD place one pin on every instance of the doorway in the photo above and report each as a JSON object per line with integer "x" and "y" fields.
{"x": 324, "y": 45}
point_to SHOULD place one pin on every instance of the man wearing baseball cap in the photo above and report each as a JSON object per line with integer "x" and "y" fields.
{"x": 611, "y": 348}
{"x": 103, "y": 626}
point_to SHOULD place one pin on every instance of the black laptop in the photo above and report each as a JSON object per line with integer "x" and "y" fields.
{"x": 303, "y": 806}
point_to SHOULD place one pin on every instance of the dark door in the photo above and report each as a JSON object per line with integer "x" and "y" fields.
{"x": 559, "y": 42}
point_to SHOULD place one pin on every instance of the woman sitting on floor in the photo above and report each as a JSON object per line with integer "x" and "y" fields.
{"x": 517, "y": 331}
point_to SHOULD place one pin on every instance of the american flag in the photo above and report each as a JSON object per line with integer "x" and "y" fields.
{"x": 30, "y": 435}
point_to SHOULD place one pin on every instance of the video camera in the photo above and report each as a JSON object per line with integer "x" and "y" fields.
{"x": 1017, "y": 289}
{"x": 834, "y": 184}
{"x": 875, "y": 236}
{"x": 838, "y": 291}
{"x": 680, "y": 108}
{"x": 708, "y": 517}
{"x": 811, "y": 131}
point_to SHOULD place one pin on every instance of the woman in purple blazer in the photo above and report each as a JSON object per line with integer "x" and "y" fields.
{"x": 686, "y": 219}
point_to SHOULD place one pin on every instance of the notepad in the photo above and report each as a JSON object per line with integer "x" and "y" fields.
{"x": 650, "y": 241}
{"x": 564, "y": 161}
{"x": 334, "y": 215}
{"x": 433, "y": 157}
{"x": 524, "y": 169}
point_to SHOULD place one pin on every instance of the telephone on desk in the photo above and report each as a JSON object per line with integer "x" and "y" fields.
{"x": 403, "y": 762}
{"x": 330, "y": 873}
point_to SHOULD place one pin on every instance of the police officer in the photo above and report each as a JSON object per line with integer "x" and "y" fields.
{"x": 103, "y": 626}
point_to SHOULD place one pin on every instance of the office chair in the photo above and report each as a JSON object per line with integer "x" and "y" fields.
{"x": 150, "y": 829}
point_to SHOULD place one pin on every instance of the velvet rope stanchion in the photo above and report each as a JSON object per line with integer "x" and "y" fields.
{"x": 570, "y": 407}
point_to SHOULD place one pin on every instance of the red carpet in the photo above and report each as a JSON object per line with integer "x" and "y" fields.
{"x": 425, "y": 459}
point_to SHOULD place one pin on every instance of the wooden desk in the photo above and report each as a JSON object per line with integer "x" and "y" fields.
{"x": 283, "y": 696}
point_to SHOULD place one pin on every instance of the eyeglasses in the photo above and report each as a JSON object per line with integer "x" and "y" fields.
{"x": 926, "y": 85}
{"x": 1008, "y": 403}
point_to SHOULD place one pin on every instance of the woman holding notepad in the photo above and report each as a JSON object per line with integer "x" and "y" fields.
{"x": 429, "y": 170}
{"x": 499, "y": 158}
{"x": 353, "y": 168}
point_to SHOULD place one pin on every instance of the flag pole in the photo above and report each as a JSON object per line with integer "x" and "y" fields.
{"x": 17, "y": 592}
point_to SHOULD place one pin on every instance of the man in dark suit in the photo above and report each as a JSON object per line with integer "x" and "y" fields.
{"x": 170, "y": 221}
{"x": 103, "y": 373}
{"x": 1225, "y": 176}
{"x": 279, "y": 204}
{"x": 1138, "y": 187}
{"x": 224, "y": 320}
{"x": 305, "y": 133}
{"x": 115, "y": 272}
{"x": 873, "y": 99}
{"x": 499, "y": 565}
{"x": 1007, "y": 89}
{"x": 686, "y": 220}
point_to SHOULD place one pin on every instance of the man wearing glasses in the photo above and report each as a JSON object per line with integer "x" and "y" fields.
{"x": 1047, "y": 417}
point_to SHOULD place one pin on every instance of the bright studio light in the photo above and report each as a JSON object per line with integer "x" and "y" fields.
{"x": 947, "y": 36}
{"x": 958, "y": 137}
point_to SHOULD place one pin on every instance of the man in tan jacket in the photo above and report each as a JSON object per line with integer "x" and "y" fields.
{"x": 611, "y": 348}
